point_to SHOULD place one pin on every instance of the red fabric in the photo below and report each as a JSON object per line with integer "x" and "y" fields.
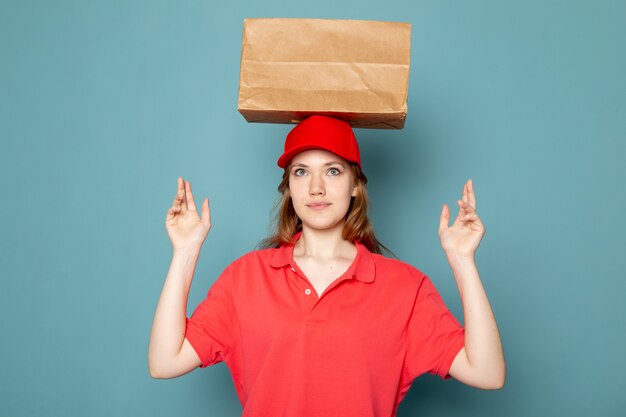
{"x": 321, "y": 132}
{"x": 353, "y": 352}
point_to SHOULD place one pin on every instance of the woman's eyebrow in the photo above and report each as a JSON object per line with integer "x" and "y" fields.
{"x": 335, "y": 162}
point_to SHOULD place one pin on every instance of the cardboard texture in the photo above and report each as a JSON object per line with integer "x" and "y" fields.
{"x": 356, "y": 70}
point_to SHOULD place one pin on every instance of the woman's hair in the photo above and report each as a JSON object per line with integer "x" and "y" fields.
{"x": 357, "y": 225}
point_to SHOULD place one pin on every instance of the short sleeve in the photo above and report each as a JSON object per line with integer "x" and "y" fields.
{"x": 435, "y": 336}
{"x": 212, "y": 326}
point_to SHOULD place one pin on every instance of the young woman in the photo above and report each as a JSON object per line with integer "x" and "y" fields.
{"x": 319, "y": 322}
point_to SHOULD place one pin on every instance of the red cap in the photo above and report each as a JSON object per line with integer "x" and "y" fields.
{"x": 321, "y": 132}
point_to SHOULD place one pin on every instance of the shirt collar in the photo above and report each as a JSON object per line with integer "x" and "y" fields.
{"x": 363, "y": 268}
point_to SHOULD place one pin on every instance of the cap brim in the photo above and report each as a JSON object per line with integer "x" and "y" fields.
{"x": 286, "y": 158}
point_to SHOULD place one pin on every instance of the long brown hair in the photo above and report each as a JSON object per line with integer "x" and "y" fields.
{"x": 356, "y": 227}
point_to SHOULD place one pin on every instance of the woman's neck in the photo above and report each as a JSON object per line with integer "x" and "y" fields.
{"x": 323, "y": 244}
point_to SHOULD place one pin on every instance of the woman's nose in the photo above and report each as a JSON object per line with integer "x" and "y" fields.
{"x": 316, "y": 186}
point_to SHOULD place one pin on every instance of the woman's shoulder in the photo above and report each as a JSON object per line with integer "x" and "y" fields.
{"x": 387, "y": 266}
{"x": 256, "y": 257}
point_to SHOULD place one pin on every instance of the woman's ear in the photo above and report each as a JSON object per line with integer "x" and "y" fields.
{"x": 355, "y": 191}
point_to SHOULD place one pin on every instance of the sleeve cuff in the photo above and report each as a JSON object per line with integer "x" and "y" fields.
{"x": 453, "y": 351}
{"x": 195, "y": 343}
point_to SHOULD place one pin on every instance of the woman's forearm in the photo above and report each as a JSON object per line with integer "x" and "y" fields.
{"x": 169, "y": 324}
{"x": 482, "y": 339}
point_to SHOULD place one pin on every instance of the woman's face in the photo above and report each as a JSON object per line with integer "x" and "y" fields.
{"x": 321, "y": 185}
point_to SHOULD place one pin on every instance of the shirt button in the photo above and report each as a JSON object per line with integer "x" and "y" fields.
{"x": 307, "y": 291}
{"x": 293, "y": 269}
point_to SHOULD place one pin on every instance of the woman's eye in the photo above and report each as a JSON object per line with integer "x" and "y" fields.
{"x": 298, "y": 171}
{"x": 334, "y": 171}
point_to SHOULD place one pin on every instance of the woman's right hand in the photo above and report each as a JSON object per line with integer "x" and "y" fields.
{"x": 184, "y": 227}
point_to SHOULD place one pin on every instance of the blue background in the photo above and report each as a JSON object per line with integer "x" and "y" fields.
{"x": 103, "y": 104}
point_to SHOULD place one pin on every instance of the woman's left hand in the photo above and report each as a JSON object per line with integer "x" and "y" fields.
{"x": 463, "y": 237}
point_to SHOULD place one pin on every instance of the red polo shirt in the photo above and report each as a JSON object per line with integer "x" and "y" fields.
{"x": 353, "y": 352}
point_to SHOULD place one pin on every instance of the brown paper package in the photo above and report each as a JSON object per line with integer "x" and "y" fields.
{"x": 355, "y": 70}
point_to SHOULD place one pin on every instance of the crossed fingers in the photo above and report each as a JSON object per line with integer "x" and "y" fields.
{"x": 467, "y": 204}
{"x": 184, "y": 197}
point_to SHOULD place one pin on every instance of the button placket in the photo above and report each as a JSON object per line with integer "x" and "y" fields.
{"x": 308, "y": 299}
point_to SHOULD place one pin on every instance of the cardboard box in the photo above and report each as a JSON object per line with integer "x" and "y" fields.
{"x": 356, "y": 70}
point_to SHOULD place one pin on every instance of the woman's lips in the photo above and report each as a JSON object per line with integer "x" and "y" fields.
{"x": 318, "y": 206}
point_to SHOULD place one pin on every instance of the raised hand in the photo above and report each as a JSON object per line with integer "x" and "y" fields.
{"x": 465, "y": 234}
{"x": 184, "y": 227}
